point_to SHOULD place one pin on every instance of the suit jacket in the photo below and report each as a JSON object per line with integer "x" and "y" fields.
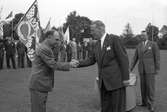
{"x": 148, "y": 56}
{"x": 44, "y": 64}
{"x": 21, "y": 48}
{"x": 10, "y": 48}
{"x": 112, "y": 62}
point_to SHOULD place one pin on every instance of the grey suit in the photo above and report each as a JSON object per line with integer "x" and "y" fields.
{"x": 42, "y": 77}
{"x": 149, "y": 63}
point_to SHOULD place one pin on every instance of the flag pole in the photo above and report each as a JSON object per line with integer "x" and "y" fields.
{"x": 24, "y": 15}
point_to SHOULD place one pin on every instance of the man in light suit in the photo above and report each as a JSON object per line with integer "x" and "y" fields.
{"x": 113, "y": 68}
{"x": 44, "y": 64}
{"x": 148, "y": 55}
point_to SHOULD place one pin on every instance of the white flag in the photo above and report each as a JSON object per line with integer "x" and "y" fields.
{"x": 67, "y": 35}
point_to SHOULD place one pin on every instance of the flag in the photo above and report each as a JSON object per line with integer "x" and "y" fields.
{"x": 1, "y": 12}
{"x": 1, "y": 30}
{"x": 10, "y": 15}
{"x": 67, "y": 35}
{"x": 29, "y": 30}
{"x": 48, "y": 27}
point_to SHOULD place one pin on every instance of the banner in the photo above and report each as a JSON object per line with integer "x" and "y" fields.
{"x": 1, "y": 30}
{"x": 48, "y": 26}
{"x": 67, "y": 35}
{"x": 29, "y": 30}
{"x": 10, "y": 15}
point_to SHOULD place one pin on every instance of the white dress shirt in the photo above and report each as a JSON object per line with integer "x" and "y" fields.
{"x": 102, "y": 39}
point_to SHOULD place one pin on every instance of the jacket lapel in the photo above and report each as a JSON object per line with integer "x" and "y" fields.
{"x": 147, "y": 46}
{"x": 99, "y": 50}
{"x": 103, "y": 50}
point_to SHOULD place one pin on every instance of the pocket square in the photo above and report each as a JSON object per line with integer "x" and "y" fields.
{"x": 108, "y": 48}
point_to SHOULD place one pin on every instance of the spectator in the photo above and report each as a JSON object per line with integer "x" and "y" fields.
{"x": 21, "y": 48}
{"x": 10, "y": 52}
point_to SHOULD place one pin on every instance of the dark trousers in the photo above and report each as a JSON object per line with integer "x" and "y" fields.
{"x": 84, "y": 55}
{"x": 38, "y": 101}
{"x": 147, "y": 83}
{"x": 69, "y": 56}
{"x": 112, "y": 101}
{"x": 1, "y": 60}
{"x": 79, "y": 55}
{"x": 20, "y": 60}
{"x": 12, "y": 58}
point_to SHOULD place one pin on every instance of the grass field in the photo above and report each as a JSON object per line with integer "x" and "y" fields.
{"x": 73, "y": 92}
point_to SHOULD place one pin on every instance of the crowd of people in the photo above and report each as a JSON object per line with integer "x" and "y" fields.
{"x": 15, "y": 52}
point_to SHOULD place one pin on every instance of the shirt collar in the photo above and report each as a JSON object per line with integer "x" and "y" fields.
{"x": 103, "y": 37}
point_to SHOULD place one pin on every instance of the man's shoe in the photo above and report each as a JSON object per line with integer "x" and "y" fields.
{"x": 151, "y": 109}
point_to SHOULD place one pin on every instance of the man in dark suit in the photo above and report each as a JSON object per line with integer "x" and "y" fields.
{"x": 21, "y": 49}
{"x": 148, "y": 55}
{"x": 69, "y": 52}
{"x": 44, "y": 64}
{"x": 10, "y": 52}
{"x": 2, "y": 47}
{"x": 113, "y": 68}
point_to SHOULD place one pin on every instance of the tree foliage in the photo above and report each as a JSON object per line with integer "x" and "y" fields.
{"x": 79, "y": 26}
{"x": 152, "y": 32}
{"x": 8, "y": 28}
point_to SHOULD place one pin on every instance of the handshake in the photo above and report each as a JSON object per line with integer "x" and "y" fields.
{"x": 74, "y": 63}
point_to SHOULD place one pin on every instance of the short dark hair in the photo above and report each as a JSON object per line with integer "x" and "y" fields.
{"x": 49, "y": 33}
{"x": 46, "y": 35}
{"x": 98, "y": 24}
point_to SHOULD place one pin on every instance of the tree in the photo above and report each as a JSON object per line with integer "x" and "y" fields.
{"x": 152, "y": 32}
{"x": 8, "y": 28}
{"x": 79, "y": 26}
{"x": 127, "y": 34}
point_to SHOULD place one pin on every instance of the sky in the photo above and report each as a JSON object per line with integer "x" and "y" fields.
{"x": 114, "y": 13}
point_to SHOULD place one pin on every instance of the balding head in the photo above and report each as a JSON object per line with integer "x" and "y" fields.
{"x": 97, "y": 29}
{"x": 98, "y": 24}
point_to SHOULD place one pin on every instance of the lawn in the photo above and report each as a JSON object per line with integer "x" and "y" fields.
{"x": 73, "y": 92}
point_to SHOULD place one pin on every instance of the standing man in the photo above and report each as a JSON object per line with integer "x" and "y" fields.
{"x": 69, "y": 52}
{"x": 85, "y": 50}
{"x": 10, "y": 52}
{"x": 74, "y": 48}
{"x": 148, "y": 55}
{"x": 44, "y": 64}
{"x": 21, "y": 49}
{"x": 2, "y": 47}
{"x": 113, "y": 68}
{"x": 79, "y": 51}
{"x": 63, "y": 52}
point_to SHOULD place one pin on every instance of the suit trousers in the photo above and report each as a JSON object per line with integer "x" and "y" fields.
{"x": 112, "y": 101}
{"x": 21, "y": 58}
{"x": 12, "y": 58}
{"x": 38, "y": 101}
{"x": 147, "y": 83}
{"x": 1, "y": 59}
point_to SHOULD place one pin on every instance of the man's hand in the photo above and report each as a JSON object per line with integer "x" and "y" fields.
{"x": 126, "y": 82}
{"x": 74, "y": 63}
